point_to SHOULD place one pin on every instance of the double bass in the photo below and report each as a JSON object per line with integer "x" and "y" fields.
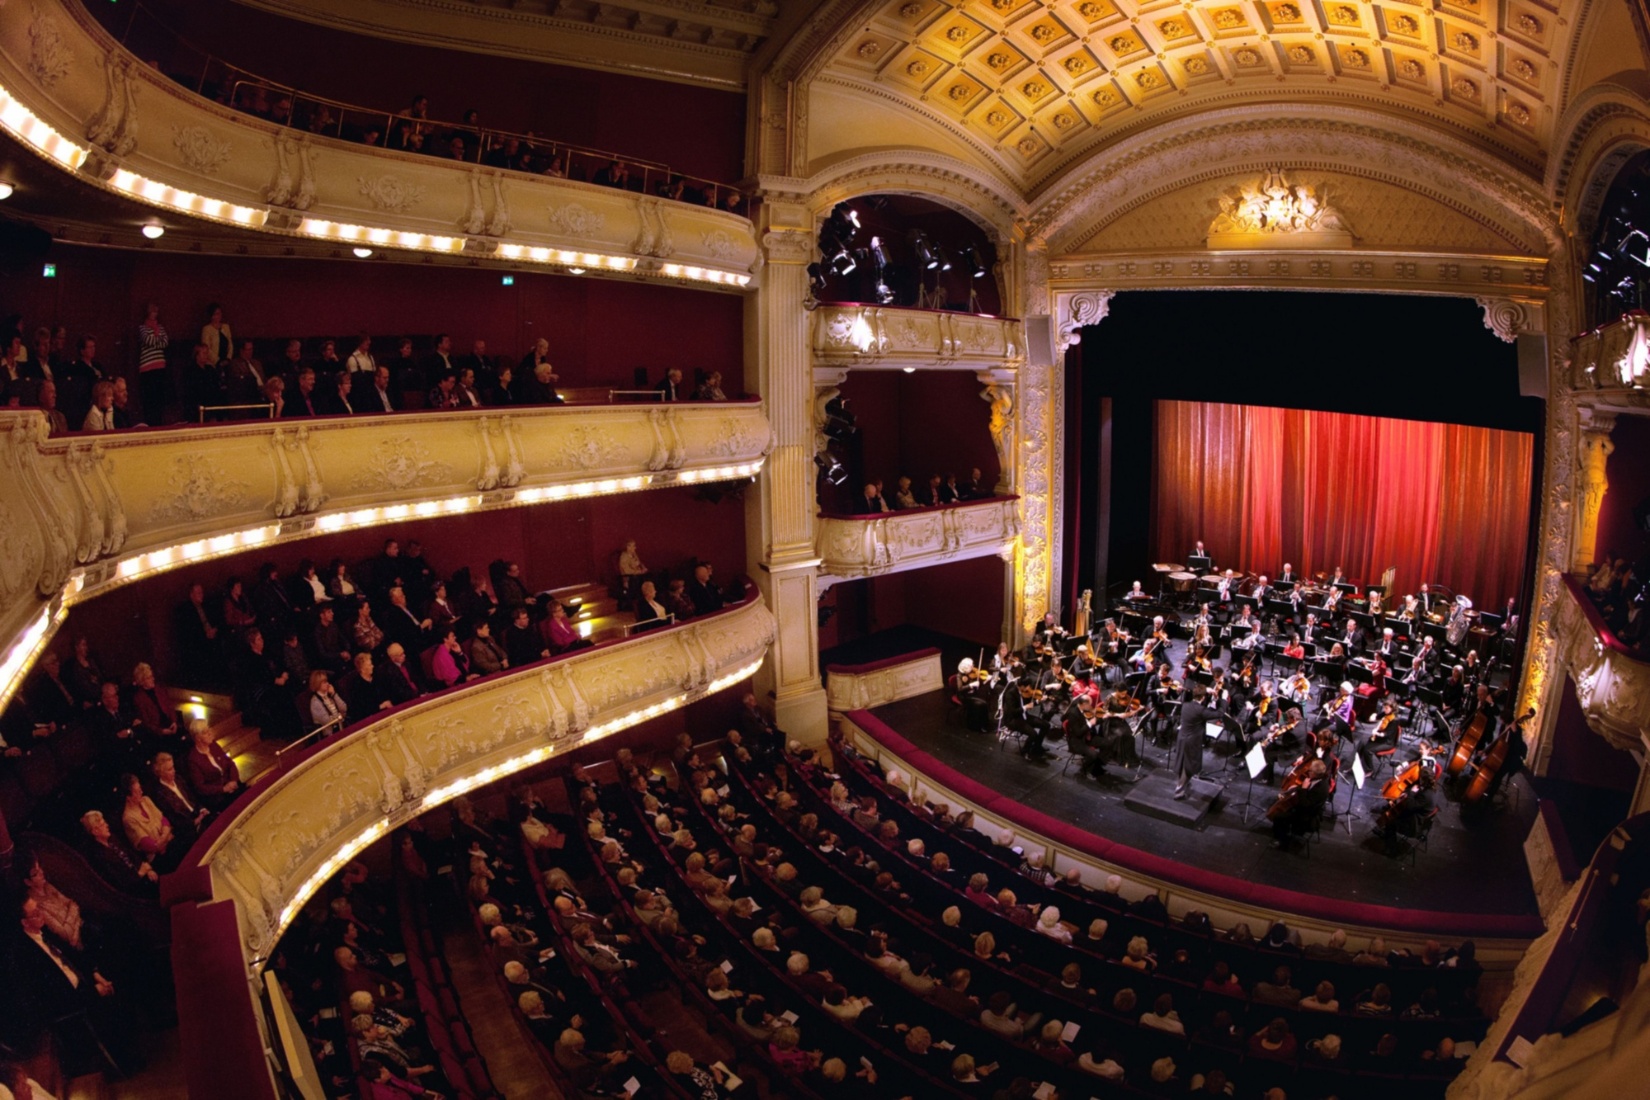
{"x": 1467, "y": 743}
{"x": 1494, "y": 760}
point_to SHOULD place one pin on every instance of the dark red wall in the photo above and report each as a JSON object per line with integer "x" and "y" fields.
{"x": 1629, "y": 474}
{"x": 1582, "y": 756}
{"x": 929, "y": 422}
{"x": 694, "y": 130}
{"x": 557, "y": 544}
{"x": 960, "y": 598}
{"x": 599, "y": 330}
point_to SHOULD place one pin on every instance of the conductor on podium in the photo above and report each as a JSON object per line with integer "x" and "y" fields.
{"x": 1186, "y": 760}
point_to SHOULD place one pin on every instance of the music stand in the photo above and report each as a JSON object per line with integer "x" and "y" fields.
{"x": 1358, "y": 777}
{"x": 1200, "y": 563}
{"x": 1255, "y": 759}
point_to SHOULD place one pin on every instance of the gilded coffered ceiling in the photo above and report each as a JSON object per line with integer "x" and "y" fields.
{"x": 705, "y": 42}
{"x": 1038, "y": 85}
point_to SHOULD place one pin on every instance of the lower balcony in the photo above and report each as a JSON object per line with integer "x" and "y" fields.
{"x": 291, "y": 832}
{"x": 1612, "y": 685}
{"x": 879, "y": 543}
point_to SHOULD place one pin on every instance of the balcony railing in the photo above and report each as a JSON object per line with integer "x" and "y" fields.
{"x": 890, "y": 542}
{"x": 83, "y": 514}
{"x": 1614, "y": 358}
{"x": 73, "y": 95}
{"x": 894, "y": 338}
{"x": 148, "y": 36}
{"x": 1611, "y": 684}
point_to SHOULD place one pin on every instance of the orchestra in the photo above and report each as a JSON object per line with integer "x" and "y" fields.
{"x": 1252, "y": 653}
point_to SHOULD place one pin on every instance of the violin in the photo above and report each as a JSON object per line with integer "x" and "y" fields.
{"x": 1277, "y": 731}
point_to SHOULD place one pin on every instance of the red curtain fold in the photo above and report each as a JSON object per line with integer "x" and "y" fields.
{"x": 1441, "y": 503}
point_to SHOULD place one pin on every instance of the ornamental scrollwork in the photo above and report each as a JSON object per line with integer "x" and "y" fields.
{"x": 390, "y": 193}
{"x": 200, "y": 150}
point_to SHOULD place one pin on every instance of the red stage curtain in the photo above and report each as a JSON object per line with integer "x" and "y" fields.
{"x": 1442, "y": 503}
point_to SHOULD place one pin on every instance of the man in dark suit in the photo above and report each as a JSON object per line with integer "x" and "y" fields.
{"x": 243, "y": 377}
{"x": 479, "y": 361}
{"x": 872, "y": 501}
{"x": 401, "y": 624}
{"x": 440, "y": 361}
{"x": 76, "y": 379}
{"x": 301, "y": 401}
{"x": 363, "y": 692}
{"x": 180, "y": 806}
{"x": 379, "y": 397}
{"x": 54, "y": 980}
{"x": 704, "y": 595}
{"x": 1186, "y": 760}
{"x": 670, "y": 387}
{"x": 1353, "y": 639}
{"x": 400, "y": 680}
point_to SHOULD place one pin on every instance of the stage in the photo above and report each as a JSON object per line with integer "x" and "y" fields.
{"x": 1472, "y": 864}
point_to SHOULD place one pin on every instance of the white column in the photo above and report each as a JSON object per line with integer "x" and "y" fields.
{"x": 779, "y": 521}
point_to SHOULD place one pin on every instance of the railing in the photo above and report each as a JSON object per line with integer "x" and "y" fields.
{"x": 87, "y": 513}
{"x": 1614, "y": 357}
{"x": 256, "y": 866}
{"x": 148, "y": 36}
{"x": 889, "y": 542}
{"x": 1612, "y": 684}
{"x": 890, "y": 337}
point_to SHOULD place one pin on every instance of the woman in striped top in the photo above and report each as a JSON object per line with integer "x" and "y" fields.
{"x": 152, "y": 382}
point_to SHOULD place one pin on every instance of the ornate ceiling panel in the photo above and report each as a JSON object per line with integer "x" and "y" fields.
{"x": 1038, "y": 84}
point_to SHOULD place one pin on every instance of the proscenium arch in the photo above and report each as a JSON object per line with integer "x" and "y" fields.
{"x": 942, "y": 179}
{"x": 1337, "y": 139}
{"x": 1605, "y": 126}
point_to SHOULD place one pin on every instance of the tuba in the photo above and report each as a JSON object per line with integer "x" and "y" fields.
{"x": 1460, "y": 619}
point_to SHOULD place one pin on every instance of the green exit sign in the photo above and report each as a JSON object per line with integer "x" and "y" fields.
{"x": 49, "y": 271}
{"x": 508, "y": 280}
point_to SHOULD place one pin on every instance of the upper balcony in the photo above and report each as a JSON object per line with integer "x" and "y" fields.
{"x": 1612, "y": 362}
{"x": 80, "y": 100}
{"x": 82, "y": 514}
{"x": 861, "y": 337}
{"x": 879, "y": 543}
{"x": 1612, "y": 685}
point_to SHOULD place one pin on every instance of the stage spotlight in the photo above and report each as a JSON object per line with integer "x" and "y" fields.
{"x": 945, "y": 263}
{"x": 831, "y": 468}
{"x": 853, "y": 217}
{"x": 816, "y": 278}
{"x": 971, "y": 263}
{"x": 1635, "y": 246}
{"x": 5, "y": 191}
{"x": 154, "y": 232}
{"x": 843, "y": 263}
{"x": 927, "y": 254}
{"x": 878, "y": 254}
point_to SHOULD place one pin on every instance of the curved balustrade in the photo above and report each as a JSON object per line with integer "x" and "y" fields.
{"x": 1614, "y": 358}
{"x": 78, "y": 98}
{"x": 895, "y": 338}
{"x": 288, "y": 835}
{"x": 890, "y": 542}
{"x": 1612, "y": 685}
{"x": 80, "y": 515}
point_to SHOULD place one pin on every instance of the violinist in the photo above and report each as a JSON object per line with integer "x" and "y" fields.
{"x": 1278, "y": 740}
{"x": 1150, "y": 651}
{"x": 1340, "y": 709}
{"x": 1266, "y": 706}
{"x": 1387, "y": 727}
{"x": 1197, "y": 660}
{"x": 1081, "y": 663}
{"x": 1082, "y": 736}
{"x": 1298, "y": 688}
{"x": 1048, "y": 632}
{"x": 1200, "y": 625}
{"x": 1113, "y": 641}
{"x": 1118, "y": 708}
{"x": 1404, "y": 815}
{"x": 1002, "y": 660}
{"x": 1297, "y": 810}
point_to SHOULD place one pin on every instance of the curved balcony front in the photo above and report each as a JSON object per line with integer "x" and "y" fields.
{"x": 879, "y": 543}
{"x": 870, "y": 337}
{"x": 79, "y": 99}
{"x": 82, "y": 514}
{"x": 289, "y": 834}
{"x": 1612, "y": 685}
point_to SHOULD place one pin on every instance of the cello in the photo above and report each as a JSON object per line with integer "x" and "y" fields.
{"x": 1409, "y": 775}
{"x": 1467, "y": 743}
{"x": 1494, "y": 760}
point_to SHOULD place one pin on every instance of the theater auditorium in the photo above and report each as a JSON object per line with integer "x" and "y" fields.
{"x": 808, "y": 549}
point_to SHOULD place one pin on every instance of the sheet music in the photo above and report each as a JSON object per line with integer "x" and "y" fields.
{"x": 1358, "y": 771}
{"x": 1256, "y": 759}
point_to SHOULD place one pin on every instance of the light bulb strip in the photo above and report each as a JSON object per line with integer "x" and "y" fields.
{"x": 86, "y": 583}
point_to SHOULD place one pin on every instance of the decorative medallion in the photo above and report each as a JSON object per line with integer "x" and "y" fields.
{"x": 199, "y": 150}
{"x": 911, "y": 10}
{"x": 1466, "y": 43}
{"x": 574, "y": 220}
{"x": 1343, "y": 15}
{"x": 1247, "y": 57}
{"x": 1356, "y": 58}
{"x": 869, "y": 49}
{"x": 718, "y": 245}
{"x": 1034, "y": 89}
{"x": 1302, "y": 55}
{"x": 1527, "y": 24}
{"x": 1519, "y": 113}
{"x": 1286, "y": 13}
{"x": 1000, "y": 60}
{"x": 197, "y": 487}
{"x": 917, "y": 68}
{"x": 1412, "y": 69}
{"x": 996, "y": 118}
{"x": 1228, "y": 19}
{"x": 1045, "y": 33}
{"x": 1065, "y": 120}
{"x": 1150, "y": 78}
{"x": 1028, "y": 146}
{"x": 1197, "y": 66}
{"x": 390, "y": 193}
{"x": 958, "y": 33}
{"x": 400, "y": 463}
{"x": 1075, "y": 64}
{"x": 959, "y": 92}
{"x": 1174, "y": 28}
{"x": 49, "y": 56}
{"x": 1105, "y": 97}
{"x": 1523, "y": 70}
{"x": 1090, "y": 10}
{"x": 1464, "y": 88}
{"x": 1406, "y": 25}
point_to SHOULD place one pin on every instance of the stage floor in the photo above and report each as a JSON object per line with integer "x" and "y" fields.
{"x": 1473, "y": 864}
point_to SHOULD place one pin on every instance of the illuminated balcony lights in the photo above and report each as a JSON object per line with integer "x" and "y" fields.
{"x": 30, "y": 129}
{"x": 175, "y": 198}
{"x": 335, "y": 862}
{"x": 154, "y": 232}
{"x": 705, "y": 274}
{"x": 26, "y": 648}
{"x": 342, "y": 231}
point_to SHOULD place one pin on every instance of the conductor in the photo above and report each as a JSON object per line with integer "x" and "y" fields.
{"x": 1186, "y": 760}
